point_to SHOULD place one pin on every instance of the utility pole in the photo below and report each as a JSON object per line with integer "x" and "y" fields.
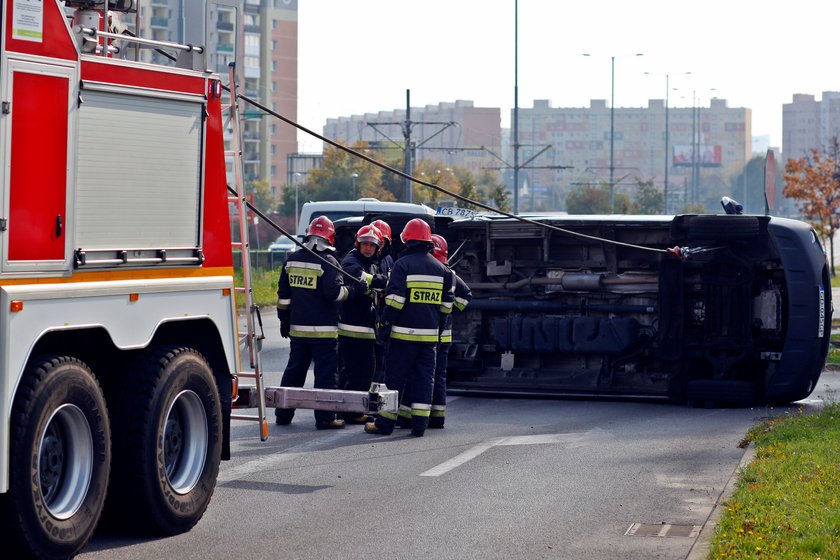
{"x": 407, "y": 134}
{"x": 409, "y": 146}
{"x": 516, "y": 107}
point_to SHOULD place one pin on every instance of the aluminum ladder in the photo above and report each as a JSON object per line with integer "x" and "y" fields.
{"x": 249, "y": 338}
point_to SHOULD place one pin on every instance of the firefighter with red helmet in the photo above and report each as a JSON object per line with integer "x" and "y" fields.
{"x": 357, "y": 317}
{"x": 386, "y": 263}
{"x": 418, "y": 298}
{"x": 463, "y": 295}
{"x": 386, "y": 257}
{"x": 309, "y": 291}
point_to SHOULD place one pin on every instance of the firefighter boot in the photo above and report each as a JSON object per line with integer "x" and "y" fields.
{"x": 357, "y": 419}
{"x": 436, "y": 422}
{"x": 373, "y": 428}
{"x": 419, "y": 425}
{"x": 335, "y": 424}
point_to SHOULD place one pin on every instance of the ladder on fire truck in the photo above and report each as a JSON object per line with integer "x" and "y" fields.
{"x": 251, "y": 339}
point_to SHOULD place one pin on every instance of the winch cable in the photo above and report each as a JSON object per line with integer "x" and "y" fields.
{"x": 441, "y": 189}
{"x": 292, "y": 238}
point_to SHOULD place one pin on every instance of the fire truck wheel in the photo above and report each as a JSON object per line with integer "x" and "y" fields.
{"x": 60, "y": 455}
{"x": 166, "y": 459}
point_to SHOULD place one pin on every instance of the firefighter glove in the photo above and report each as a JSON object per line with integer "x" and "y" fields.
{"x": 383, "y": 333}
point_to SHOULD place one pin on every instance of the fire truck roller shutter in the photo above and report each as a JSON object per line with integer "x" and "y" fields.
{"x": 139, "y": 171}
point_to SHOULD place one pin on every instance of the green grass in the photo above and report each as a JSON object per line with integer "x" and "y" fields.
{"x": 263, "y": 284}
{"x": 787, "y": 500}
{"x": 835, "y": 281}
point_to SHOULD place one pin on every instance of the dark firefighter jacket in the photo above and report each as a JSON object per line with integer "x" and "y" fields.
{"x": 418, "y": 297}
{"x": 357, "y": 316}
{"x": 312, "y": 291}
{"x": 463, "y": 295}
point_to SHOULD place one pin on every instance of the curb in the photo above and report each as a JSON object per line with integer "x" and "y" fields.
{"x": 700, "y": 549}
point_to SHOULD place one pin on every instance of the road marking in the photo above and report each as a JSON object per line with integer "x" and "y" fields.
{"x": 271, "y": 461}
{"x": 541, "y": 439}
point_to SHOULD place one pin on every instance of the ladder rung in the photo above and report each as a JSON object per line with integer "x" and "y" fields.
{"x": 230, "y": 153}
{"x": 239, "y": 289}
{"x": 246, "y": 374}
{"x": 236, "y": 244}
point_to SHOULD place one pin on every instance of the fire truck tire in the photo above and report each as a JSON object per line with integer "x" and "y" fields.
{"x": 59, "y": 460}
{"x": 166, "y": 459}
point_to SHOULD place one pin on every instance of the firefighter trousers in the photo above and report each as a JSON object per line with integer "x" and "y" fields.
{"x": 357, "y": 364}
{"x": 303, "y": 351}
{"x": 410, "y": 366}
{"x": 438, "y": 413}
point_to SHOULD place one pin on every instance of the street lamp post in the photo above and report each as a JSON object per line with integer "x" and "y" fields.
{"x": 297, "y": 182}
{"x": 667, "y": 135}
{"x": 354, "y": 176}
{"x": 612, "y": 129}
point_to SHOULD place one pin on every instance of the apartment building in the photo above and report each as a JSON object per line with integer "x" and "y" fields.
{"x": 263, "y": 34}
{"x": 810, "y": 124}
{"x": 705, "y": 145}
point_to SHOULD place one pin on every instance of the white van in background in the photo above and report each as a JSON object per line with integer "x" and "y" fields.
{"x": 338, "y": 209}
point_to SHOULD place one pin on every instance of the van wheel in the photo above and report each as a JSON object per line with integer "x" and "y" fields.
{"x": 167, "y": 457}
{"x": 59, "y": 460}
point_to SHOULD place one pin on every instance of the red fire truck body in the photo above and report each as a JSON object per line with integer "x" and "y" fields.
{"x": 118, "y": 338}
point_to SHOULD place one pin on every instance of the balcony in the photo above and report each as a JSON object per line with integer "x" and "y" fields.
{"x": 160, "y": 22}
{"x": 224, "y": 48}
{"x": 224, "y": 26}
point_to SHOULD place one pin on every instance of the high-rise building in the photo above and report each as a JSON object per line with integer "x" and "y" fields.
{"x": 263, "y": 34}
{"x": 809, "y": 124}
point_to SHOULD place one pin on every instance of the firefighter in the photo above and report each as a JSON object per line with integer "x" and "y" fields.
{"x": 386, "y": 263}
{"x": 462, "y": 295}
{"x": 418, "y": 298}
{"x": 357, "y": 318}
{"x": 308, "y": 295}
{"x": 386, "y": 257}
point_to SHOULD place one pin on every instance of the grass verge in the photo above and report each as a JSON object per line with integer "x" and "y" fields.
{"x": 787, "y": 500}
{"x": 263, "y": 285}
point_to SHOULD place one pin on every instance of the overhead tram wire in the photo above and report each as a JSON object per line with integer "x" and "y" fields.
{"x": 441, "y": 189}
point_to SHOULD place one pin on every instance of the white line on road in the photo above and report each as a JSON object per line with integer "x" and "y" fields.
{"x": 540, "y": 439}
{"x": 271, "y": 461}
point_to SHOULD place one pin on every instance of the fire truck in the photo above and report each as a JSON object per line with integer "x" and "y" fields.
{"x": 120, "y": 348}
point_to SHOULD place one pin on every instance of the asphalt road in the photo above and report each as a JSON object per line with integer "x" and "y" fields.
{"x": 507, "y": 478}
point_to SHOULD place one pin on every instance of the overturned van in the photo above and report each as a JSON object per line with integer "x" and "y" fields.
{"x": 705, "y": 309}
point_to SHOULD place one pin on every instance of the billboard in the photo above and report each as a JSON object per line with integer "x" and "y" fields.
{"x": 707, "y": 155}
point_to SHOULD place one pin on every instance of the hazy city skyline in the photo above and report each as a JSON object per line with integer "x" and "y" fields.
{"x": 357, "y": 57}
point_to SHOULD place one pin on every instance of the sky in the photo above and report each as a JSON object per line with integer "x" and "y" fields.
{"x": 361, "y": 56}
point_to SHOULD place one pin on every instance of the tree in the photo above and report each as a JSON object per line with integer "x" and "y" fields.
{"x": 595, "y": 199}
{"x": 815, "y": 183}
{"x": 494, "y": 193}
{"x": 649, "y": 199}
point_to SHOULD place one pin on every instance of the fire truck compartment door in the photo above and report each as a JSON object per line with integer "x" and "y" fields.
{"x": 139, "y": 171}
{"x": 35, "y": 129}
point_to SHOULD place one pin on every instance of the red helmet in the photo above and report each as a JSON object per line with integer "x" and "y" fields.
{"x": 383, "y": 228}
{"x": 441, "y": 249}
{"x": 416, "y": 230}
{"x": 369, "y": 234}
{"x": 322, "y": 227}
